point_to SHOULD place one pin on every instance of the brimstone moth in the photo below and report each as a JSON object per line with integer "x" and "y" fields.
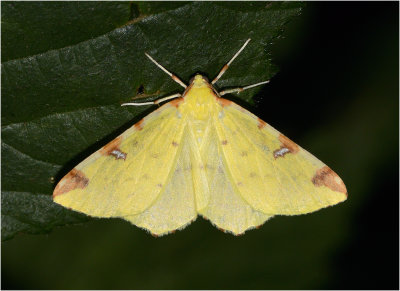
{"x": 199, "y": 154}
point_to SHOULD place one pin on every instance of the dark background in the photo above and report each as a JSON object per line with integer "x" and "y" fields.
{"x": 338, "y": 78}
{"x": 355, "y": 45}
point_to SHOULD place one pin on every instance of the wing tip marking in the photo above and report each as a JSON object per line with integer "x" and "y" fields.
{"x": 326, "y": 177}
{"x": 74, "y": 179}
{"x": 112, "y": 149}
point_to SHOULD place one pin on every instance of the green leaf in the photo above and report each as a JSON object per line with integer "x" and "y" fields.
{"x": 67, "y": 68}
{"x": 54, "y": 25}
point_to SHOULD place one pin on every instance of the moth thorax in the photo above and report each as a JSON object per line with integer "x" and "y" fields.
{"x": 199, "y": 111}
{"x": 200, "y": 102}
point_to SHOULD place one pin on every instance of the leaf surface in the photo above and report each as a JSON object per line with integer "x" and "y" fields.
{"x": 67, "y": 68}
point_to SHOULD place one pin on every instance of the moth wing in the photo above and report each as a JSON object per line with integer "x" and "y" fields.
{"x": 126, "y": 176}
{"x": 226, "y": 208}
{"x": 186, "y": 192}
{"x": 272, "y": 173}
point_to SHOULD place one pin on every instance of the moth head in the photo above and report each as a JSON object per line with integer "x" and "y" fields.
{"x": 199, "y": 81}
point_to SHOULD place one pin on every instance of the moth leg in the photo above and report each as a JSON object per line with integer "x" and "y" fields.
{"x": 240, "y": 89}
{"x": 153, "y": 102}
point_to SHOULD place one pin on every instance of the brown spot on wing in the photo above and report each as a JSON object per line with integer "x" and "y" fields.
{"x": 112, "y": 145}
{"x": 326, "y": 177}
{"x": 287, "y": 146}
{"x": 176, "y": 102}
{"x": 174, "y": 143}
{"x": 139, "y": 124}
{"x": 74, "y": 179}
{"x": 282, "y": 151}
{"x": 118, "y": 154}
{"x": 287, "y": 143}
{"x": 112, "y": 149}
{"x": 225, "y": 142}
{"x": 261, "y": 123}
{"x": 223, "y": 102}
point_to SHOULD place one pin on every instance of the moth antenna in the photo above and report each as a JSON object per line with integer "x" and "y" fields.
{"x": 224, "y": 68}
{"x": 175, "y": 78}
{"x": 240, "y": 89}
{"x": 153, "y": 102}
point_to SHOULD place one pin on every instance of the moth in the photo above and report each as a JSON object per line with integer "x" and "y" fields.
{"x": 199, "y": 154}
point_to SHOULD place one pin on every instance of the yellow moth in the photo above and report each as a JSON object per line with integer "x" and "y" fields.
{"x": 199, "y": 154}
